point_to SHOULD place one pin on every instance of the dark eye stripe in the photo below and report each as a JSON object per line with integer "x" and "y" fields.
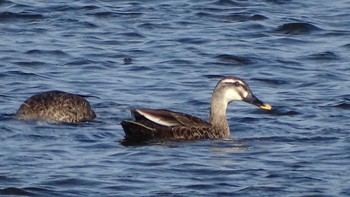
{"x": 235, "y": 83}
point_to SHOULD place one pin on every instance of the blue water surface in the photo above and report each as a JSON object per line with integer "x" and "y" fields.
{"x": 170, "y": 54}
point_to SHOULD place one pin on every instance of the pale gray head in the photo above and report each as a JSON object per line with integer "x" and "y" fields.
{"x": 233, "y": 88}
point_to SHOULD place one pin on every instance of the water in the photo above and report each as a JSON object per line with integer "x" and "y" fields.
{"x": 170, "y": 54}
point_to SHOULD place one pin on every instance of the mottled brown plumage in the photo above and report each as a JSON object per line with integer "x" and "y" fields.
{"x": 181, "y": 126}
{"x": 56, "y": 106}
{"x": 160, "y": 124}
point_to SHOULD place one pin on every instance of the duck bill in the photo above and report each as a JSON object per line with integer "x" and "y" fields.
{"x": 255, "y": 101}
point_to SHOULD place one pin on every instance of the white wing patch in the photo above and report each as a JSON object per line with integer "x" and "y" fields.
{"x": 158, "y": 119}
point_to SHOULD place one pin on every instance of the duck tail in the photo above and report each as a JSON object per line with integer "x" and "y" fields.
{"x": 136, "y": 133}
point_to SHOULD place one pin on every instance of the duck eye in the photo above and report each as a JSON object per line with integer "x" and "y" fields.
{"x": 236, "y": 83}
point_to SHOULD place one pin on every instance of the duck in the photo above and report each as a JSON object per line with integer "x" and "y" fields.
{"x": 57, "y": 107}
{"x": 164, "y": 125}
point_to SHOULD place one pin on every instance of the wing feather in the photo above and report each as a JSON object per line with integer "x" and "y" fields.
{"x": 168, "y": 118}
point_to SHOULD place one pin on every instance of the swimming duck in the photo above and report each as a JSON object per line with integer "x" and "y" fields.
{"x": 153, "y": 124}
{"x": 56, "y": 106}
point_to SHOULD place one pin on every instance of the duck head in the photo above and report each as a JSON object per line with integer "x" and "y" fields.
{"x": 233, "y": 88}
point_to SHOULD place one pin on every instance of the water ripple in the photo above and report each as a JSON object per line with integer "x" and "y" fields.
{"x": 15, "y": 191}
{"x": 324, "y": 56}
{"x": 234, "y": 59}
{"x": 46, "y": 52}
{"x": 171, "y": 54}
{"x": 297, "y": 28}
{"x": 19, "y": 16}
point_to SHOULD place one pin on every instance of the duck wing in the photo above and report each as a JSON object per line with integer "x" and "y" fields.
{"x": 161, "y": 124}
{"x": 167, "y": 118}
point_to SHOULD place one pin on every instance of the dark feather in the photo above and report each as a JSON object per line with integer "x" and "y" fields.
{"x": 184, "y": 126}
{"x": 56, "y": 106}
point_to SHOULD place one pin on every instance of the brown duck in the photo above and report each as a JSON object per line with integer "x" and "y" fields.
{"x": 57, "y": 107}
{"x": 161, "y": 124}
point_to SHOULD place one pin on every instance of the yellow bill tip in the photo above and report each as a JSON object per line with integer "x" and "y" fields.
{"x": 266, "y": 106}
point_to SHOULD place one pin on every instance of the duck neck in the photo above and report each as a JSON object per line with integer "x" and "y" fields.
{"x": 218, "y": 115}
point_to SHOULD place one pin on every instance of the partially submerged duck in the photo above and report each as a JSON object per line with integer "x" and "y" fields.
{"x": 56, "y": 106}
{"x": 160, "y": 124}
